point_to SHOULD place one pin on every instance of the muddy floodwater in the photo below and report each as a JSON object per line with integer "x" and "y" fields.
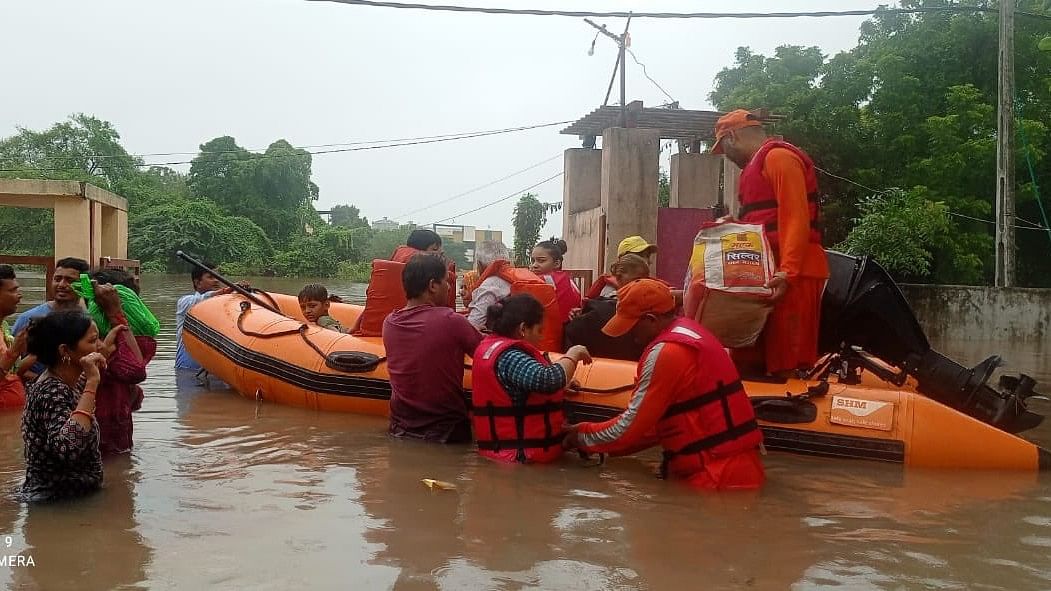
{"x": 222, "y": 492}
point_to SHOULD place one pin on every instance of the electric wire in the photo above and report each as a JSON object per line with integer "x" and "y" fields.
{"x": 478, "y": 188}
{"x": 647, "y": 75}
{"x": 682, "y": 15}
{"x": 496, "y": 201}
{"x": 255, "y": 156}
{"x": 1034, "y": 226}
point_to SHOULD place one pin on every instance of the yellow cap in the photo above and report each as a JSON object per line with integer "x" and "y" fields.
{"x": 636, "y": 245}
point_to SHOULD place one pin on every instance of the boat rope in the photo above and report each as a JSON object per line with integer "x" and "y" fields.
{"x": 269, "y": 298}
{"x": 345, "y": 361}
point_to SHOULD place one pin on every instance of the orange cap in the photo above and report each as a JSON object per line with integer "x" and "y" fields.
{"x": 639, "y": 297}
{"x": 730, "y": 123}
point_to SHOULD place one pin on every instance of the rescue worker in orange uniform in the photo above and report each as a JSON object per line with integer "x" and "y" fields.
{"x": 778, "y": 190}
{"x": 688, "y": 398}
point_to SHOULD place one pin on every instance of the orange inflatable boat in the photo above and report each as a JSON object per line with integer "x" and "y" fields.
{"x": 859, "y": 414}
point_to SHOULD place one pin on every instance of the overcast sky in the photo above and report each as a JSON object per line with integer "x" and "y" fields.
{"x": 172, "y": 74}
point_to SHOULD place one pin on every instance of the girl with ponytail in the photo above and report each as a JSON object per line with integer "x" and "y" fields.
{"x": 546, "y": 262}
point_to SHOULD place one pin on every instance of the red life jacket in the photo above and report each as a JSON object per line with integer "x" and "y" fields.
{"x": 595, "y": 291}
{"x": 403, "y": 253}
{"x": 384, "y": 295}
{"x": 528, "y": 433}
{"x": 525, "y": 281}
{"x": 717, "y": 420}
{"x": 759, "y": 203}
{"x": 567, "y": 294}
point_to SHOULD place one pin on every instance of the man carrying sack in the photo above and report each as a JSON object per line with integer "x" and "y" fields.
{"x": 778, "y": 190}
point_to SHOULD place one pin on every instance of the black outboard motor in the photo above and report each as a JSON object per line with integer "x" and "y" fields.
{"x": 865, "y": 320}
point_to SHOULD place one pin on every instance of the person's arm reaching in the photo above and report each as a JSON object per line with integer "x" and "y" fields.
{"x": 634, "y": 429}
{"x": 518, "y": 370}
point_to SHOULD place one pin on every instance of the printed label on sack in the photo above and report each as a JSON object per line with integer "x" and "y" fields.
{"x": 731, "y": 257}
{"x": 867, "y": 414}
{"x": 743, "y": 260}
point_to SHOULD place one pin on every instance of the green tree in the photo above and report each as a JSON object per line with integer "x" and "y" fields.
{"x": 199, "y": 227}
{"x": 348, "y": 216}
{"x": 262, "y": 187}
{"x": 912, "y": 106}
{"x": 383, "y": 243}
{"x": 318, "y": 254}
{"x": 457, "y": 253}
{"x": 220, "y": 172}
{"x": 84, "y": 148}
{"x": 901, "y": 230}
{"x": 249, "y": 212}
{"x": 529, "y": 218}
{"x": 663, "y": 190}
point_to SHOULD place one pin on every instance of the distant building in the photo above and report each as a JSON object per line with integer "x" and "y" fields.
{"x": 468, "y": 235}
{"x": 385, "y": 224}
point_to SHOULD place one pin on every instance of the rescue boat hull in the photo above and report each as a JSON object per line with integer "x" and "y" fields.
{"x": 263, "y": 356}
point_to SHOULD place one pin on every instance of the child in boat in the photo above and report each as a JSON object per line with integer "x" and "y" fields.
{"x": 606, "y": 285}
{"x": 546, "y": 262}
{"x": 314, "y": 301}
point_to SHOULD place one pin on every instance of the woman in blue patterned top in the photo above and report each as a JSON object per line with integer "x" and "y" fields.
{"x": 517, "y": 392}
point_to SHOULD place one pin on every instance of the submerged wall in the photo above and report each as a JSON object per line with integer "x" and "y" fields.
{"x": 971, "y": 323}
{"x": 956, "y": 312}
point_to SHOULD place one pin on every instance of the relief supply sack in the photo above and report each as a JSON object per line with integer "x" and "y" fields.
{"x": 141, "y": 321}
{"x": 729, "y": 267}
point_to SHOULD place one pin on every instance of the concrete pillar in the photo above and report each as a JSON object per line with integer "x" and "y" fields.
{"x": 731, "y": 179}
{"x": 114, "y": 233}
{"x": 629, "y": 185}
{"x": 695, "y": 180}
{"x": 96, "y": 233}
{"x": 581, "y": 201}
{"x": 582, "y": 184}
{"x": 72, "y": 230}
{"x": 584, "y": 235}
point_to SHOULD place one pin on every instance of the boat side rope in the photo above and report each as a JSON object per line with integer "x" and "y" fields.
{"x": 345, "y": 361}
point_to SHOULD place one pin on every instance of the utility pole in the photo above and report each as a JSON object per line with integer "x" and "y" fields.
{"x": 622, "y": 42}
{"x": 1005, "y": 197}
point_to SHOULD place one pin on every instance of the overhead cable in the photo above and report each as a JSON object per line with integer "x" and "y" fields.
{"x": 680, "y": 15}
{"x": 333, "y": 145}
{"x": 647, "y": 75}
{"x": 500, "y": 200}
{"x": 1032, "y": 226}
{"x": 478, "y": 188}
{"x": 255, "y": 156}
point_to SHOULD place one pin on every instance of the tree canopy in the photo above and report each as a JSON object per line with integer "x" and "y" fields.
{"x": 249, "y": 212}
{"x": 529, "y": 219}
{"x": 913, "y": 107}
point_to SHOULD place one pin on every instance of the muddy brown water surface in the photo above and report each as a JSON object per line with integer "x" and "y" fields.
{"x": 222, "y": 492}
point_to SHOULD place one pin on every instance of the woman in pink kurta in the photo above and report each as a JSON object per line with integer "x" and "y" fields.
{"x": 127, "y": 355}
{"x": 119, "y": 393}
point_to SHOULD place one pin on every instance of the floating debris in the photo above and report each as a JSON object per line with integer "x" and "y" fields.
{"x": 439, "y": 484}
